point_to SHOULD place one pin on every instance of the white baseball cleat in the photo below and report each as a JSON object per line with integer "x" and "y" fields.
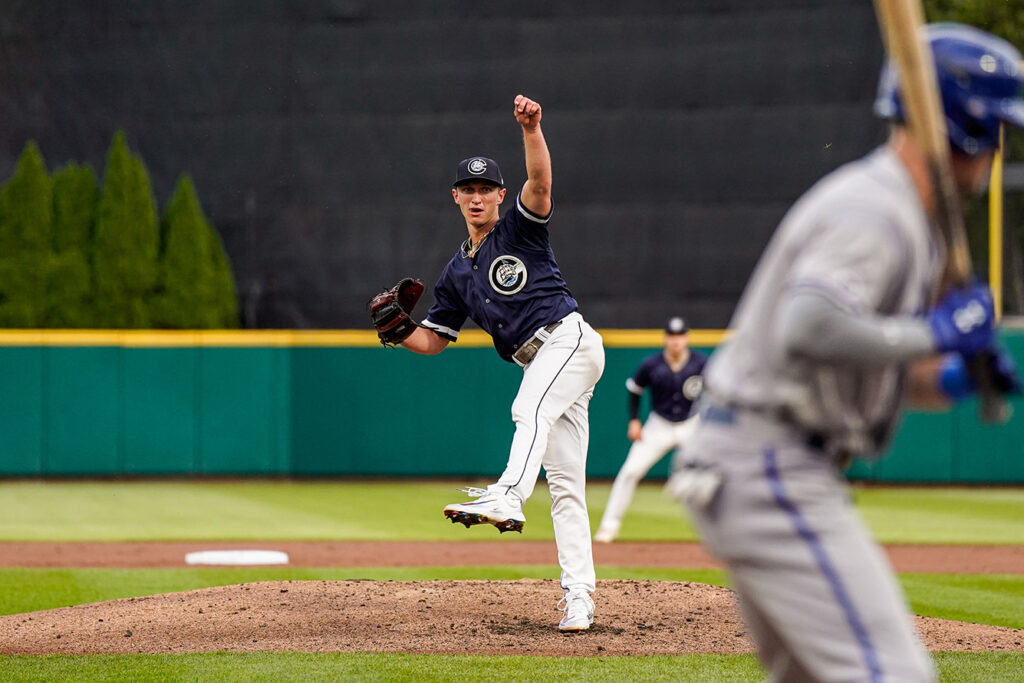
{"x": 604, "y": 535}
{"x": 577, "y": 611}
{"x": 488, "y": 508}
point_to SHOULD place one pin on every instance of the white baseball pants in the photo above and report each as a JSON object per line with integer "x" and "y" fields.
{"x": 552, "y": 418}
{"x": 659, "y": 437}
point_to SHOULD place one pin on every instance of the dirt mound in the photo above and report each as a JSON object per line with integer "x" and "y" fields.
{"x": 475, "y": 617}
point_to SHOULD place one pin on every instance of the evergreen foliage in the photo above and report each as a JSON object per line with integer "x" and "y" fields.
{"x": 74, "y": 206}
{"x": 26, "y": 235}
{"x": 224, "y": 300}
{"x": 192, "y": 285}
{"x": 74, "y": 254}
{"x": 69, "y": 302}
{"x": 126, "y": 241}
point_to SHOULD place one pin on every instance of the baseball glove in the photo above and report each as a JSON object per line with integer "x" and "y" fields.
{"x": 389, "y": 311}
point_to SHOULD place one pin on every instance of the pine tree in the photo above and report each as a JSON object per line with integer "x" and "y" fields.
{"x": 69, "y": 302}
{"x": 184, "y": 276}
{"x": 195, "y": 281}
{"x": 125, "y": 241}
{"x": 74, "y": 206}
{"x": 225, "y": 294}
{"x": 26, "y": 238}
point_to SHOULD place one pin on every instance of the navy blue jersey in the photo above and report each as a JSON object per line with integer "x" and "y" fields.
{"x": 672, "y": 393}
{"x": 510, "y": 287}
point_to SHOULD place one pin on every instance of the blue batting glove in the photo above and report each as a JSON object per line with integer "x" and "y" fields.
{"x": 956, "y": 383}
{"x": 962, "y": 320}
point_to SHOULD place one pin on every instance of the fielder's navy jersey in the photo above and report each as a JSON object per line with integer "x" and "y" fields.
{"x": 510, "y": 287}
{"x": 672, "y": 393}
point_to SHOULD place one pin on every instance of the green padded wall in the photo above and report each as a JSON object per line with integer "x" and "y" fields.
{"x": 160, "y": 407}
{"x": 82, "y": 411}
{"x": 338, "y": 410}
{"x": 374, "y": 411}
{"x": 21, "y": 412}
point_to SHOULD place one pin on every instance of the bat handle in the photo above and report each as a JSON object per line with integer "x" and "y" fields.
{"x": 992, "y": 405}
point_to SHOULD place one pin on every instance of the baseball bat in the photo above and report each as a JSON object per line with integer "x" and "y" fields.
{"x": 902, "y": 23}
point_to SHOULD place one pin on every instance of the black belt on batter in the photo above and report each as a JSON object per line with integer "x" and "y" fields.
{"x": 531, "y": 346}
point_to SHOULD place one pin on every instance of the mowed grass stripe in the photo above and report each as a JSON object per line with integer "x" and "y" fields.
{"x": 944, "y": 515}
{"x": 239, "y": 510}
{"x": 954, "y": 667}
{"x": 411, "y": 510}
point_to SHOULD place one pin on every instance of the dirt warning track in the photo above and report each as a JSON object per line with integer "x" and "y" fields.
{"x": 905, "y": 558}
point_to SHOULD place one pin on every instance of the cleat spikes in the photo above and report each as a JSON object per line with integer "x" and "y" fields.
{"x": 509, "y": 525}
{"x": 494, "y": 512}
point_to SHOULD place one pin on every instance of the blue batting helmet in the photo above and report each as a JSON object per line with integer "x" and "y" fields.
{"x": 979, "y": 80}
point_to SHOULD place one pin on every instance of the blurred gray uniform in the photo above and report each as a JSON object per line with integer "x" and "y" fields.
{"x": 762, "y": 473}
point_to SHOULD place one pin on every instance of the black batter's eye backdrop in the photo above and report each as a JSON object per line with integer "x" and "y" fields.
{"x": 323, "y": 135}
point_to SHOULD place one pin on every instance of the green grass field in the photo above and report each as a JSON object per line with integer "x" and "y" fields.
{"x": 262, "y": 510}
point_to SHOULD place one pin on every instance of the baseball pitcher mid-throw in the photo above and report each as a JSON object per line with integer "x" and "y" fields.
{"x": 505, "y": 278}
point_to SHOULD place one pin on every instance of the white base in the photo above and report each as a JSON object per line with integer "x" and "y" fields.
{"x": 237, "y": 557}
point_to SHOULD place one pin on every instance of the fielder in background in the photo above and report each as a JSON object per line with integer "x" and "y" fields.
{"x": 674, "y": 377}
{"x": 835, "y": 330}
{"x": 504, "y": 276}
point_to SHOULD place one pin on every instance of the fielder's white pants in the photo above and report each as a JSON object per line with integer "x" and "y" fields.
{"x": 658, "y": 438}
{"x": 551, "y": 414}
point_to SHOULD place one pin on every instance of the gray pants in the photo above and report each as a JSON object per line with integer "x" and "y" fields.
{"x": 818, "y": 595}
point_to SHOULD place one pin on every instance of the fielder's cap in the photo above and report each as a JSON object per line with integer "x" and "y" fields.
{"x": 478, "y": 168}
{"x": 676, "y": 325}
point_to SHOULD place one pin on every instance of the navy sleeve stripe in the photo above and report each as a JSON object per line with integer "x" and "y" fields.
{"x": 530, "y": 214}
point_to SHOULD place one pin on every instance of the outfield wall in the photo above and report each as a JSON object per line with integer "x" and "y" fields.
{"x": 322, "y": 403}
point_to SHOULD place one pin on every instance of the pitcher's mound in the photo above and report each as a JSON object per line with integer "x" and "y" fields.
{"x": 471, "y": 617}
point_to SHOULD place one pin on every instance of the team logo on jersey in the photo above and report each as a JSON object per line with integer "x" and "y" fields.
{"x": 693, "y": 386}
{"x": 477, "y": 166}
{"x": 507, "y": 274}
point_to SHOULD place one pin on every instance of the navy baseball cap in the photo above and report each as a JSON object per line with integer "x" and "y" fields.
{"x": 676, "y": 325}
{"x": 478, "y": 168}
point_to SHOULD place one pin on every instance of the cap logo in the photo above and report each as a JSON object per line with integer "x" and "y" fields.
{"x": 477, "y": 166}
{"x": 507, "y": 275}
{"x": 988, "y": 63}
{"x": 676, "y": 326}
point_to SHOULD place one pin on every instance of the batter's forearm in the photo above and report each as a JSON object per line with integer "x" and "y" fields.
{"x": 812, "y": 326}
{"x": 923, "y": 392}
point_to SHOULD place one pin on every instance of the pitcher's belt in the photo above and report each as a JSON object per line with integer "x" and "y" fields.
{"x": 531, "y": 346}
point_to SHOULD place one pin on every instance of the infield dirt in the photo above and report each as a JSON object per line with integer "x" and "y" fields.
{"x": 472, "y": 617}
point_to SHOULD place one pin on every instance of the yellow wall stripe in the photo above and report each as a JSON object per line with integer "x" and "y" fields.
{"x": 293, "y": 338}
